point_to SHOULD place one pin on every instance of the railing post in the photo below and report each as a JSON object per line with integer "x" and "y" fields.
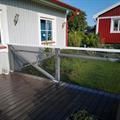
{"x": 11, "y": 59}
{"x": 57, "y": 64}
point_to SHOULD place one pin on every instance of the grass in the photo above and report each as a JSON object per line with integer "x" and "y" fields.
{"x": 94, "y": 74}
{"x": 102, "y": 75}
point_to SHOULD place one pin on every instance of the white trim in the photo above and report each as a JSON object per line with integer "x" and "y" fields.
{"x": 104, "y": 11}
{"x": 97, "y": 26}
{"x": 112, "y": 26}
{"x": 30, "y": 45}
{"x": 39, "y": 34}
{"x": 109, "y": 17}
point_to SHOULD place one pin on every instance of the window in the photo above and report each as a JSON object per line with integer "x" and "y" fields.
{"x": 46, "y": 30}
{"x": 115, "y": 26}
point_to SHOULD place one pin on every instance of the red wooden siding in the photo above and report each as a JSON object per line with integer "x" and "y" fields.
{"x": 113, "y": 12}
{"x": 104, "y": 32}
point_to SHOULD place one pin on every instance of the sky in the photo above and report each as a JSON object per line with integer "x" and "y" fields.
{"x": 91, "y": 7}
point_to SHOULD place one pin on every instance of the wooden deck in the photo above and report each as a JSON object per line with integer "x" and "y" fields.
{"x": 29, "y": 98}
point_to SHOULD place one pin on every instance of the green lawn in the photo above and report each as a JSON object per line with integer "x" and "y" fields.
{"x": 101, "y": 75}
{"x": 94, "y": 74}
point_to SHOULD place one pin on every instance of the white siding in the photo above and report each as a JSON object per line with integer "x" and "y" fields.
{"x": 27, "y": 30}
{"x": 61, "y": 32}
{"x": 4, "y": 62}
{"x": 4, "y": 24}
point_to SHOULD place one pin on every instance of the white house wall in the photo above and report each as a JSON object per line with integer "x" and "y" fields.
{"x": 61, "y": 32}
{"x": 4, "y": 61}
{"x": 27, "y": 30}
{"x": 4, "y": 24}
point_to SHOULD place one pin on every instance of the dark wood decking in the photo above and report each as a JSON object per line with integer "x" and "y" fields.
{"x": 27, "y": 98}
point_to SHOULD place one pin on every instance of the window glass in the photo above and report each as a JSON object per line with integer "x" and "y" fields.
{"x": 43, "y": 35}
{"x": 46, "y": 30}
{"x": 43, "y": 25}
{"x": 49, "y": 25}
{"x": 49, "y": 35}
{"x": 116, "y": 25}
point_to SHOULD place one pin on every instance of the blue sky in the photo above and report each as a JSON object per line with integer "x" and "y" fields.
{"x": 91, "y": 7}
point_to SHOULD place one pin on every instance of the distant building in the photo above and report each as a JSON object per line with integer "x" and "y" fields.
{"x": 108, "y": 24}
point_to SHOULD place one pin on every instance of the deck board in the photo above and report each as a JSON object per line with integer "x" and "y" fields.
{"x": 24, "y": 97}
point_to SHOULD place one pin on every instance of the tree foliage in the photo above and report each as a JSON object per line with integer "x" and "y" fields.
{"x": 77, "y": 27}
{"x": 77, "y": 22}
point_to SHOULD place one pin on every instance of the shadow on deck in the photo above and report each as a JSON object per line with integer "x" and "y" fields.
{"x": 24, "y": 97}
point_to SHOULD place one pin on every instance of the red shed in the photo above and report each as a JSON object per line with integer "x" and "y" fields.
{"x": 108, "y": 24}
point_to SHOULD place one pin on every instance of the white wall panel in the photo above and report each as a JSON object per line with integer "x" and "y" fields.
{"x": 4, "y": 62}
{"x": 27, "y": 30}
{"x": 4, "y": 24}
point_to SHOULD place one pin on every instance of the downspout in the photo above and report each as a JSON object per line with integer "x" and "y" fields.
{"x": 67, "y": 28}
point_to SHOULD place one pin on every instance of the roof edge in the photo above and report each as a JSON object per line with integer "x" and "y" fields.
{"x": 106, "y": 10}
{"x": 57, "y": 2}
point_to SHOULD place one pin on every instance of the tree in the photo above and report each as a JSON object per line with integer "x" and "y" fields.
{"x": 80, "y": 34}
{"x": 75, "y": 38}
{"x": 77, "y": 22}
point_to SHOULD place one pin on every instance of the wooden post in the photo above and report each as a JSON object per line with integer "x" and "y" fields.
{"x": 57, "y": 64}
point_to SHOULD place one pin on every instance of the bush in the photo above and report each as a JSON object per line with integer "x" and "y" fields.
{"x": 81, "y": 115}
{"x": 80, "y": 39}
{"x": 116, "y": 46}
{"x": 75, "y": 38}
{"x": 90, "y": 40}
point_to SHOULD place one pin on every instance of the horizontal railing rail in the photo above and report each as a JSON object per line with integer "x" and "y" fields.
{"x": 60, "y": 52}
{"x": 72, "y": 48}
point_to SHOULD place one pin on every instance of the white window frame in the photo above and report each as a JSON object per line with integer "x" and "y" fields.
{"x": 54, "y": 35}
{"x": 112, "y": 25}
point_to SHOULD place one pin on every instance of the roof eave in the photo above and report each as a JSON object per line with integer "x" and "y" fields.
{"x": 106, "y": 10}
{"x": 50, "y": 4}
{"x": 64, "y": 5}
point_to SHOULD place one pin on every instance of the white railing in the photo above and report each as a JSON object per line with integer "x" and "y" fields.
{"x": 59, "y": 53}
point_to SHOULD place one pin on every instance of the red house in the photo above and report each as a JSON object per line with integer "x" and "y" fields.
{"x": 108, "y": 24}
